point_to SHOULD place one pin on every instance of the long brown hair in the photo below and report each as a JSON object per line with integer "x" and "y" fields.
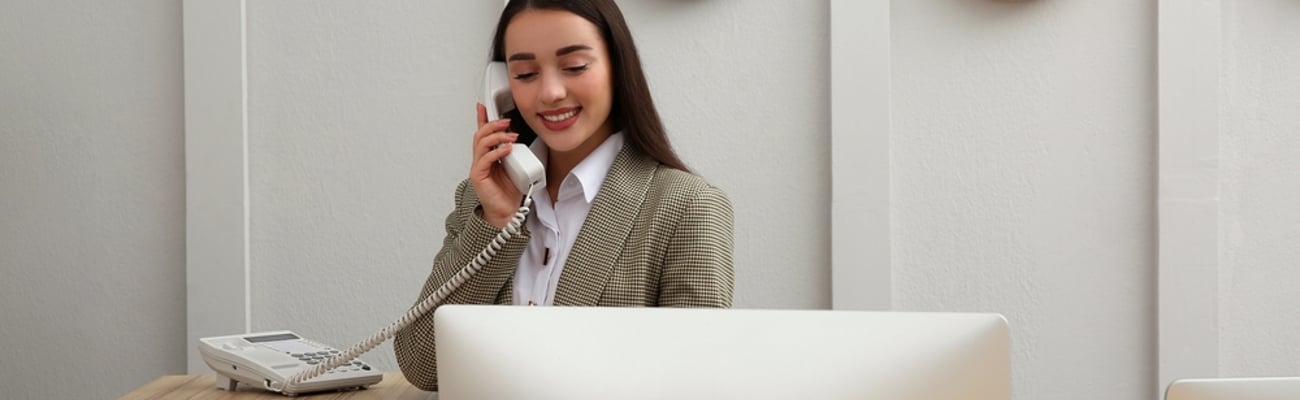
{"x": 633, "y": 110}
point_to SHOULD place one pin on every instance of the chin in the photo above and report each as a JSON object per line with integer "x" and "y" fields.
{"x": 559, "y": 144}
{"x": 567, "y": 140}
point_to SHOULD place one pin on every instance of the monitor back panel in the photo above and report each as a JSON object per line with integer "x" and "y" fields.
{"x": 1235, "y": 389}
{"x": 499, "y": 352}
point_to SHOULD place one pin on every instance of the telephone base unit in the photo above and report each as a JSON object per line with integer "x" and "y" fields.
{"x": 255, "y": 358}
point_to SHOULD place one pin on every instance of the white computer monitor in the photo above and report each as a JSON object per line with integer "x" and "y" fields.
{"x": 1234, "y": 389}
{"x": 510, "y": 352}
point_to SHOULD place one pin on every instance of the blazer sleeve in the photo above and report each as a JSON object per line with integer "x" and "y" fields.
{"x": 467, "y": 235}
{"x": 698, "y": 270}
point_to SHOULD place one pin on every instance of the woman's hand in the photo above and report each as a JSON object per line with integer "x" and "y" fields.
{"x": 496, "y": 193}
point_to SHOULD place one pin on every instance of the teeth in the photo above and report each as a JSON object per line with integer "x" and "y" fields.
{"x": 561, "y": 117}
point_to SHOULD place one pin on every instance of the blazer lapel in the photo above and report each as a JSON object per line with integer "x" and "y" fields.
{"x": 604, "y": 234}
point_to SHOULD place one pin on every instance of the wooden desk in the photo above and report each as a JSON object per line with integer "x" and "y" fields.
{"x": 204, "y": 387}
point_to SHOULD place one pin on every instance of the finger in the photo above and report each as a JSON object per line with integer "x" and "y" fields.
{"x": 494, "y": 143}
{"x": 482, "y": 114}
{"x": 483, "y": 165}
{"x": 485, "y": 131}
{"x": 492, "y": 140}
{"x": 489, "y": 128}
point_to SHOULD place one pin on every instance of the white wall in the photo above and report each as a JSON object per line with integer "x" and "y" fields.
{"x": 353, "y": 112}
{"x": 92, "y": 246}
{"x": 1259, "y": 264}
{"x": 1023, "y": 181}
{"x": 360, "y": 118}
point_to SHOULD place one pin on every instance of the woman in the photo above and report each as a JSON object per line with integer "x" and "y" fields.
{"x": 621, "y": 223}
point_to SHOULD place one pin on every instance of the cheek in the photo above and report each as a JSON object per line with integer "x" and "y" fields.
{"x": 595, "y": 89}
{"x": 524, "y": 96}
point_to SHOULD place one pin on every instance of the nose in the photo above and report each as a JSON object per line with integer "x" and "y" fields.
{"x": 553, "y": 89}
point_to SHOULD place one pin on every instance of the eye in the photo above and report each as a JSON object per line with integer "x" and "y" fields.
{"x": 525, "y": 76}
{"x": 578, "y": 68}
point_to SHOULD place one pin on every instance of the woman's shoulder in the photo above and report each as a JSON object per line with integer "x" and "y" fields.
{"x": 676, "y": 184}
{"x": 688, "y": 200}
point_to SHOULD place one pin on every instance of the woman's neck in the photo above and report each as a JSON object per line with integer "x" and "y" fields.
{"x": 559, "y": 164}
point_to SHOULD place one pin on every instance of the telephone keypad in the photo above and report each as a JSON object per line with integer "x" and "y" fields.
{"x": 317, "y": 357}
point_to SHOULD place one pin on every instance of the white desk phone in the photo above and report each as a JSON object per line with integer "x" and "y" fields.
{"x": 285, "y": 362}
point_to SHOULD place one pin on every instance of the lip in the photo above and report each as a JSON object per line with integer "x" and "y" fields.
{"x": 562, "y": 124}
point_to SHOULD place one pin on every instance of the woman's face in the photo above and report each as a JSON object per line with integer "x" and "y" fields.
{"x": 560, "y": 77}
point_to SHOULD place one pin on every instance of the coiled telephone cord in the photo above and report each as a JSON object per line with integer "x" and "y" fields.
{"x": 512, "y": 228}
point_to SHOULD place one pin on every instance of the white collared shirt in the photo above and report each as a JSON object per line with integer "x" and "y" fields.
{"x": 555, "y": 227}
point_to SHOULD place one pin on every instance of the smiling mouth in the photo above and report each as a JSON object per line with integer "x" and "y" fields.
{"x": 561, "y": 116}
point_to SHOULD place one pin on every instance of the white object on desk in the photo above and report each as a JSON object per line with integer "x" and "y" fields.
{"x": 253, "y": 358}
{"x": 506, "y": 352}
{"x": 1234, "y": 389}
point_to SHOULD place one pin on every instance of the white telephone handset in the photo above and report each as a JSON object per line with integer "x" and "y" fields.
{"x": 284, "y": 362}
{"x": 524, "y": 168}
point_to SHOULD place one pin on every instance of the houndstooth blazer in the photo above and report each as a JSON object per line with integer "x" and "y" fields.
{"x": 655, "y": 236}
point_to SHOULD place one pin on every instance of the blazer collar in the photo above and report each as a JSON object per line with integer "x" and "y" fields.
{"x": 603, "y": 236}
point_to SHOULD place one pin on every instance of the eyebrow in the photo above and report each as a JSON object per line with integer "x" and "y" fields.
{"x": 562, "y": 51}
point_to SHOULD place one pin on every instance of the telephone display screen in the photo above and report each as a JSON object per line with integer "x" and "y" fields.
{"x": 271, "y": 338}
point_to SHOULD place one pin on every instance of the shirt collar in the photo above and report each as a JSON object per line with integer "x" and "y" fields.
{"x": 591, "y": 171}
